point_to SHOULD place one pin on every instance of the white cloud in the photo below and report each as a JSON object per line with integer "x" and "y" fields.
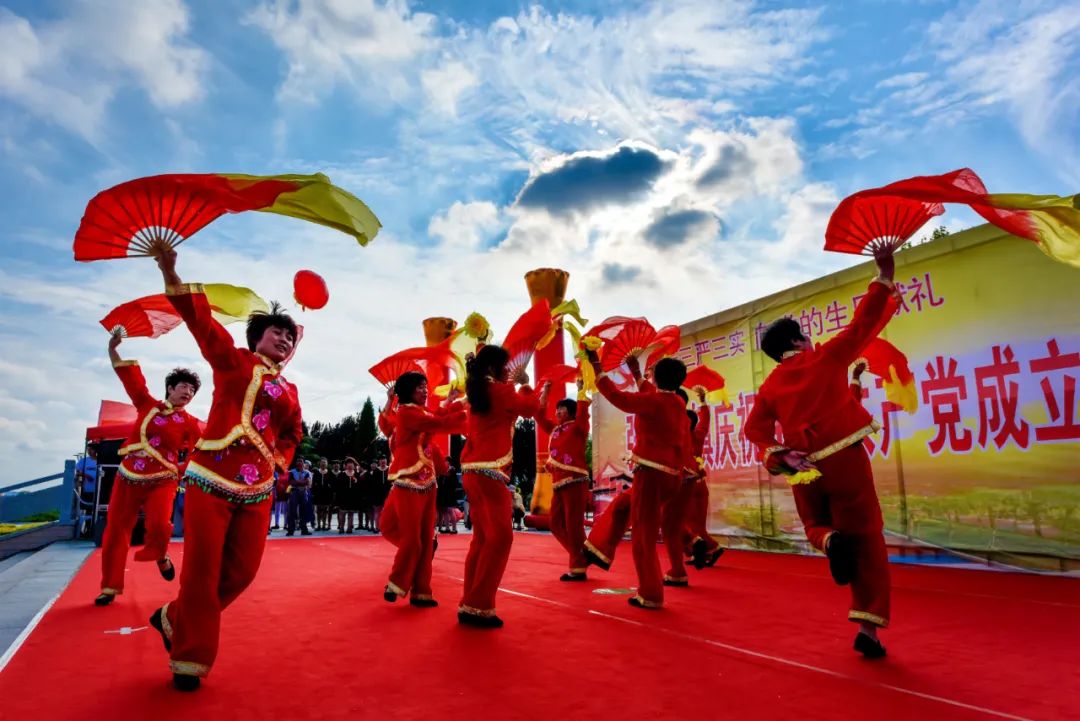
{"x": 364, "y": 43}
{"x": 444, "y": 85}
{"x": 466, "y": 225}
{"x": 66, "y": 71}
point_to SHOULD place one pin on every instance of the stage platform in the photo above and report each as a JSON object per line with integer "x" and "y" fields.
{"x": 761, "y": 636}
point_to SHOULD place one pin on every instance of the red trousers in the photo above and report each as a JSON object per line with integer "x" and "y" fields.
{"x": 124, "y": 504}
{"x": 697, "y": 516}
{"x": 844, "y": 499}
{"x": 653, "y": 490}
{"x": 568, "y": 521}
{"x": 223, "y": 546}
{"x": 490, "y": 508}
{"x": 673, "y": 522}
{"x": 610, "y": 526}
{"x": 408, "y": 522}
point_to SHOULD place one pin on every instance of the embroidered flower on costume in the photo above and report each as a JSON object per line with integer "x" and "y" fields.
{"x": 155, "y": 441}
{"x": 139, "y": 464}
{"x": 170, "y": 457}
{"x": 159, "y": 421}
{"x": 248, "y": 473}
{"x": 272, "y": 389}
{"x": 176, "y": 418}
{"x": 425, "y": 473}
{"x": 567, "y": 459}
{"x": 261, "y": 420}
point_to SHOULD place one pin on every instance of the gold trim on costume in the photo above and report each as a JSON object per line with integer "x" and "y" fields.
{"x": 676, "y": 579}
{"x": 870, "y": 617}
{"x": 124, "y": 363}
{"x": 496, "y": 465}
{"x": 647, "y": 603}
{"x": 203, "y": 475}
{"x": 483, "y": 613}
{"x": 843, "y": 443}
{"x": 579, "y": 571}
{"x": 564, "y": 467}
{"x": 244, "y": 428}
{"x": 596, "y": 552}
{"x": 398, "y": 590}
{"x": 568, "y": 482}
{"x": 639, "y": 461}
{"x": 425, "y": 460}
{"x": 789, "y": 354}
{"x": 166, "y": 627}
{"x": 189, "y": 668}
{"x": 184, "y": 289}
{"x": 112, "y": 591}
{"x": 408, "y": 485}
{"x": 423, "y": 597}
{"x": 144, "y": 444}
{"x": 141, "y": 479}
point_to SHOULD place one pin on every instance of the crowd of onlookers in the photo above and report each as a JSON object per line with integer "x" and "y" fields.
{"x": 312, "y": 496}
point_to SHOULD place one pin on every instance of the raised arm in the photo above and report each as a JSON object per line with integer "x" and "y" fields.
{"x": 131, "y": 376}
{"x": 189, "y": 300}
{"x": 704, "y": 420}
{"x": 416, "y": 419}
{"x": 582, "y": 419}
{"x": 869, "y": 317}
{"x": 526, "y": 402}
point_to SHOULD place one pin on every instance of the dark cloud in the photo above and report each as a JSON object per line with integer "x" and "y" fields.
{"x": 733, "y": 159}
{"x": 672, "y": 229}
{"x": 586, "y": 182}
{"x": 618, "y": 274}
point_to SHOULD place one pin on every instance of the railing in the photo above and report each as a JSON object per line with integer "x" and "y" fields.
{"x": 16, "y": 505}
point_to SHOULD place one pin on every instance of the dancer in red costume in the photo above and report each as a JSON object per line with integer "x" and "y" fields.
{"x": 409, "y": 517}
{"x": 254, "y": 426}
{"x": 704, "y": 549}
{"x": 658, "y": 456}
{"x": 823, "y": 428}
{"x": 153, "y": 459}
{"x": 568, "y": 434}
{"x": 494, "y": 407}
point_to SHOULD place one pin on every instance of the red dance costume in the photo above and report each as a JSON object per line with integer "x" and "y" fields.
{"x": 570, "y": 482}
{"x": 147, "y": 478}
{"x": 254, "y": 425}
{"x": 609, "y": 527}
{"x": 658, "y": 456}
{"x": 485, "y": 465}
{"x": 809, "y": 396}
{"x": 408, "y": 519}
{"x": 697, "y": 508}
{"x": 673, "y": 518}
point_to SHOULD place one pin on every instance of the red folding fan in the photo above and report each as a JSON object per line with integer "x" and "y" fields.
{"x": 136, "y": 218}
{"x": 885, "y": 360}
{"x": 526, "y": 332}
{"x": 147, "y": 317}
{"x": 610, "y": 327}
{"x": 635, "y": 338}
{"x": 388, "y": 370}
{"x": 714, "y": 384}
{"x": 559, "y": 374}
{"x": 665, "y": 344}
{"x": 862, "y": 224}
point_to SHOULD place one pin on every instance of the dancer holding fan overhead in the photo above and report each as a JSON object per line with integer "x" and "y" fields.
{"x": 254, "y": 427}
{"x": 153, "y": 459}
{"x": 494, "y": 407}
{"x": 409, "y": 519}
{"x": 823, "y": 425}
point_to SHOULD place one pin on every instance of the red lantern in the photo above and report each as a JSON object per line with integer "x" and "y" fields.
{"x": 309, "y": 290}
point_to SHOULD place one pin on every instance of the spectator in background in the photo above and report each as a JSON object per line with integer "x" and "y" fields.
{"x": 281, "y": 499}
{"x": 348, "y": 496}
{"x": 382, "y": 490}
{"x": 446, "y": 500}
{"x": 86, "y": 482}
{"x": 321, "y": 495}
{"x": 519, "y": 510}
{"x": 300, "y": 480}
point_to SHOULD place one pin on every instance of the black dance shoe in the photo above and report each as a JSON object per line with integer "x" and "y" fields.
{"x": 167, "y": 571}
{"x": 471, "y": 619}
{"x": 841, "y": 553}
{"x": 389, "y": 595}
{"x": 104, "y": 599}
{"x": 637, "y": 602}
{"x": 869, "y": 647}
{"x": 424, "y": 602}
{"x": 700, "y": 553}
{"x": 155, "y": 621}
{"x": 677, "y": 583}
{"x": 573, "y": 577}
{"x": 595, "y": 560}
{"x": 714, "y": 557}
{"x": 185, "y": 682}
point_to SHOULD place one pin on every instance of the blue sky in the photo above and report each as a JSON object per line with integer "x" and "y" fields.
{"x": 677, "y": 158}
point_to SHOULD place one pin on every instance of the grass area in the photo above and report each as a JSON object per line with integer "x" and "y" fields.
{"x": 8, "y": 528}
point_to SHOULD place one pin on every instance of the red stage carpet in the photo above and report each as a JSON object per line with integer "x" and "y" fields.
{"x": 759, "y": 637}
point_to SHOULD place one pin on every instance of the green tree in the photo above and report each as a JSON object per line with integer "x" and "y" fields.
{"x": 367, "y": 430}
